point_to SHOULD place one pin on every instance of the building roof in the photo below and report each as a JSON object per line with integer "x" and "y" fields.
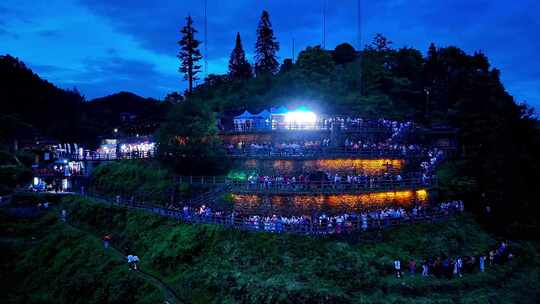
{"x": 245, "y": 115}
{"x": 263, "y": 114}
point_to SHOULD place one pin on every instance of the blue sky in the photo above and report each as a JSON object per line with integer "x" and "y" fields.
{"x": 105, "y": 46}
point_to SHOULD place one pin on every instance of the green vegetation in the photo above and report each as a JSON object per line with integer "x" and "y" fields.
{"x": 188, "y": 140}
{"x": 145, "y": 181}
{"x": 14, "y": 170}
{"x": 210, "y": 264}
{"x": 46, "y": 261}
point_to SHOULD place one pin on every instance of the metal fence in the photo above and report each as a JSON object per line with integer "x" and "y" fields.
{"x": 323, "y": 187}
{"x": 94, "y": 156}
{"x": 329, "y": 187}
{"x": 307, "y": 226}
{"x": 302, "y": 153}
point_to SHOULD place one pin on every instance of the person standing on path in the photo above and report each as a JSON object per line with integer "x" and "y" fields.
{"x": 482, "y": 262}
{"x": 458, "y": 266}
{"x": 425, "y": 268}
{"x": 135, "y": 262}
{"x": 130, "y": 261}
{"x": 412, "y": 267}
{"x": 397, "y": 267}
{"x": 106, "y": 240}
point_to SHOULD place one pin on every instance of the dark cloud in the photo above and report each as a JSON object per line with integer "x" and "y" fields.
{"x": 505, "y": 30}
{"x": 49, "y": 33}
{"x": 107, "y": 75}
{"x": 9, "y": 14}
{"x": 48, "y": 69}
{"x": 6, "y": 33}
{"x": 157, "y": 27}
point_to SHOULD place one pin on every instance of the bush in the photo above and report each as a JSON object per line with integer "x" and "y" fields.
{"x": 143, "y": 180}
{"x": 213, "y": 264}
{"x": 64, "y": 265}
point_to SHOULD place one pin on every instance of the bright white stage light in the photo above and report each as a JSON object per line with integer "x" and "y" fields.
{"x": 300, "y": 117}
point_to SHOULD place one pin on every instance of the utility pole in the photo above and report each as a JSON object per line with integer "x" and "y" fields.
{"x": 427, "y": 90}
{"x": 293, "y": 50}
{"x": 324, "y": 26}
{"x": 359, "y": 46}
{"x": 205, "y": 40}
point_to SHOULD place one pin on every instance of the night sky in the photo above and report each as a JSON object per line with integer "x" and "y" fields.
{"x": 105, "y": 46}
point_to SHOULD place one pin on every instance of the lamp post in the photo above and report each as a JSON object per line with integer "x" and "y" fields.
{"x": 427, "y": 90}
{"x": 117, "y": 147}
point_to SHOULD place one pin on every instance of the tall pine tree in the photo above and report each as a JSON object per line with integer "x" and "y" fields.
{"x": 189, "y": 53}
{"x": 266, "y": 47}
{"x": 239, "y": 67}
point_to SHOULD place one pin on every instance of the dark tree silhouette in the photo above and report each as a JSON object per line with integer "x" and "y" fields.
{"x": 380, "y": 43}
{"x": 189, "y": 53}
{"x": 239, "y": 67}
{"x": 266, "y": 47}
{"x": 173, "y": 98}
{"x": 344, "y": 53}
{"x": 286, "y": 66}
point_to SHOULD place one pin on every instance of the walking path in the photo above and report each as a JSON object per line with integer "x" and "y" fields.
{"x": 170, "y": 295}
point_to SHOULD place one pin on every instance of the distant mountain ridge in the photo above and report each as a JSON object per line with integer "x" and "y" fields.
{"x": 64, "y": 115}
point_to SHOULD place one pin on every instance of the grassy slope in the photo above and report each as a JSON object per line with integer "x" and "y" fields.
{"x": 145, "y": 181}
{"x": 45, "y": 261}
{"x": 211, "y": 264}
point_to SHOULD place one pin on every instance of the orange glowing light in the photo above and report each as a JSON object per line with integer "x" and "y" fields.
{"x": 348, "y": 165}
{"x": 421, "y": 195}
{"x": 368, "y": 166}
{"x": 357, "y": 202}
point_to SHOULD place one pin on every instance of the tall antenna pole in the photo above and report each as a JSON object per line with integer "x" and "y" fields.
{"x": 293, "y": 50}
{"x": 359, "y": 46}
{"x": 205, "y": 40}
{"x": 324, "y": 26}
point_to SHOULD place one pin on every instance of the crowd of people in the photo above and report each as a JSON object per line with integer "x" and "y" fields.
{"x": 384, "y": 148}
{"x": 389, "y": 145}
{"x": 452, "y": 267}
{"x": 333, "y": 180}
{"x": 321, "y": 223}
{"x": 434, "y": 157}
{"x": 310, "y": 147}
{"x": 355, "y": 123}
{"x": 300, "y": 147}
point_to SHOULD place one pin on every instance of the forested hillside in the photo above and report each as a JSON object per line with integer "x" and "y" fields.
{"x": 33, "y": 107}
{"x": 497, "y": 162}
